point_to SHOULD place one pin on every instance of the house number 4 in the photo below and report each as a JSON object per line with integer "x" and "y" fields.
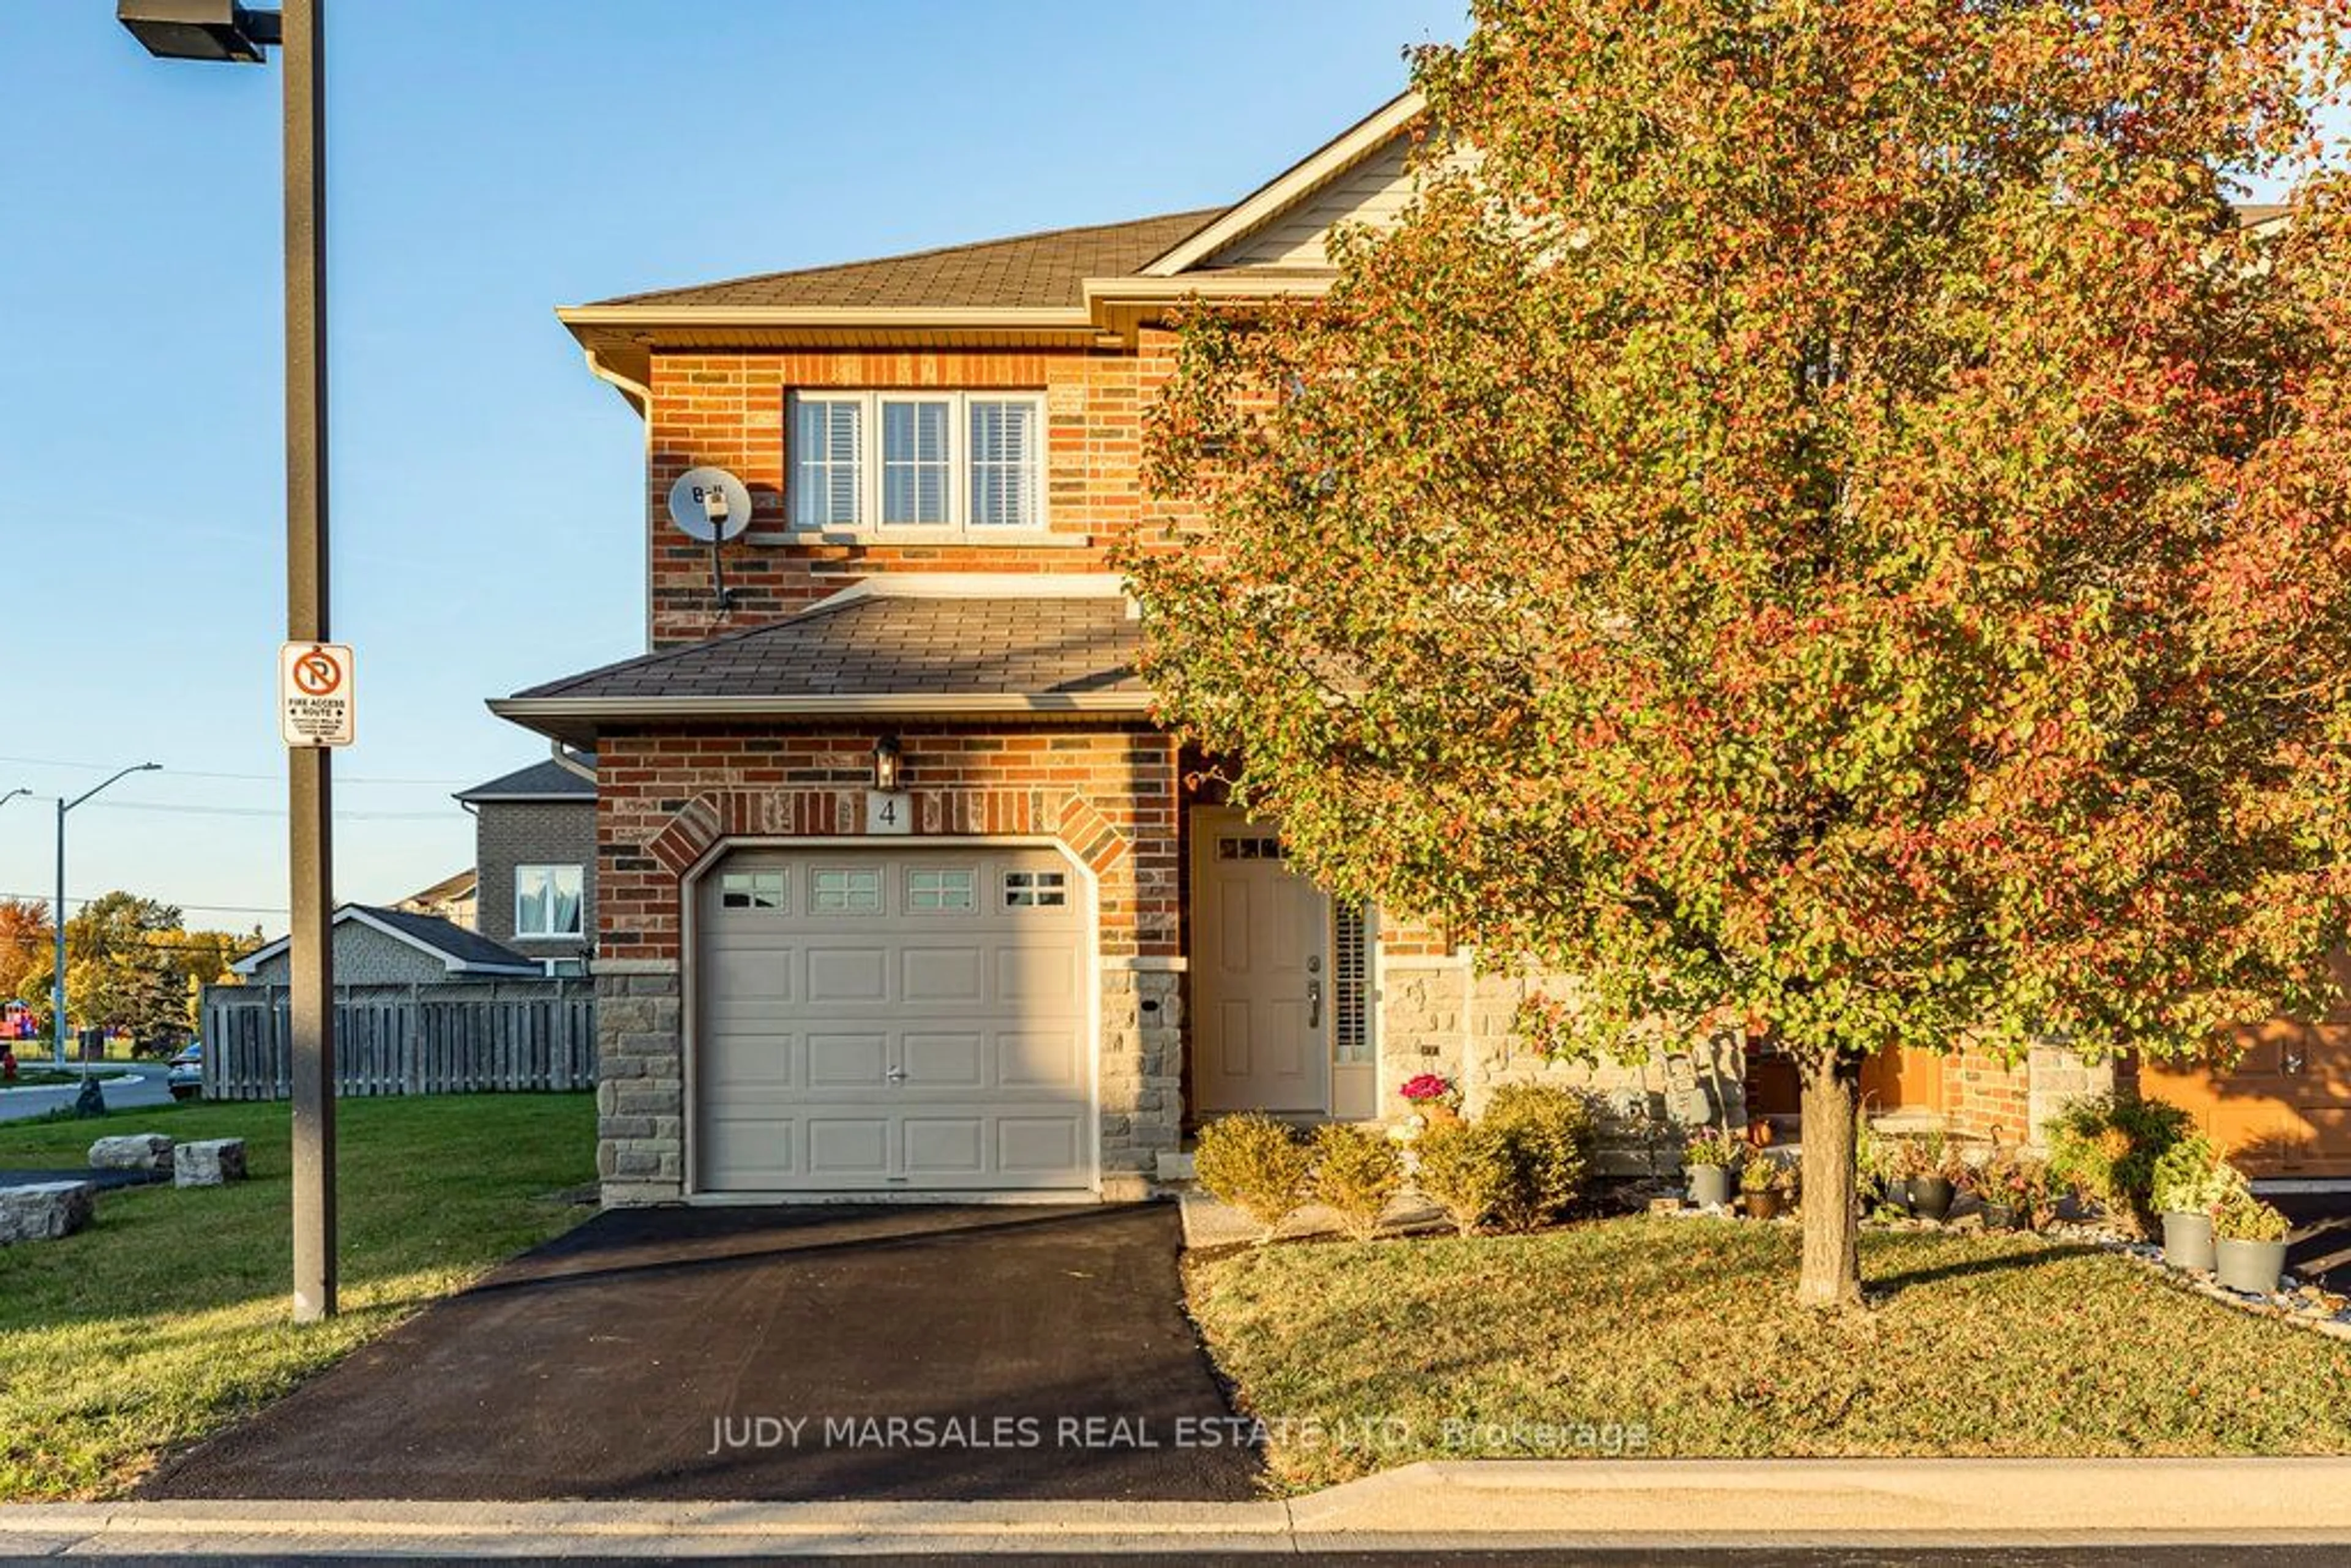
{"x": 889, "y": 811}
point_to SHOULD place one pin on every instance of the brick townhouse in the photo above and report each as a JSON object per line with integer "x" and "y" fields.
{"x": 900, "y": 889}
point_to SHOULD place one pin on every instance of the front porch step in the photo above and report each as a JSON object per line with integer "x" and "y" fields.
{"x": 1908, "y": 1123}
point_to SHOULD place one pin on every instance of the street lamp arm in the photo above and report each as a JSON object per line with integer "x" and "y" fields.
{"x": 65, "y": 806}
{"x": 12, "y": 795}
{"x": 58, "y": 913}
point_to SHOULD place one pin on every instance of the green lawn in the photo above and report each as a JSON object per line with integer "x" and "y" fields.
{"x": 1679, "y": 1338}
{"x": 168, "y": 1318}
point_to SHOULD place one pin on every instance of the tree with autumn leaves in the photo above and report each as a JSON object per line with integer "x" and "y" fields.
{"x": 1820, "y": 515}
{"x": 130, "y": 963}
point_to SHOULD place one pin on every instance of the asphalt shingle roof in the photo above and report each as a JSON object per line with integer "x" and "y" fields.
{"x": 1038, "y": 269}
{"x": 542, "y": 780}
{"x": 446, "y": 937}
{"x": 884, "y": 645}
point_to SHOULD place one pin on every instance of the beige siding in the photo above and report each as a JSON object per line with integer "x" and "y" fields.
{"x": 1374, "y": 191}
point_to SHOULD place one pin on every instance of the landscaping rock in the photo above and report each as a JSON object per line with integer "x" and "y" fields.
{"x": 209, "y": 1162}
{"x": 133, "y": 1151}
{"x": 45, "y": 1211}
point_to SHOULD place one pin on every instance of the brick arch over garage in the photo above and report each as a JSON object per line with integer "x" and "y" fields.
{"x": 665, "y": 800}
{"x": 710, "y": 818}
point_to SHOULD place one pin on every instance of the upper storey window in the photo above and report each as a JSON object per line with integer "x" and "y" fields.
{"x": 963, "y": 465}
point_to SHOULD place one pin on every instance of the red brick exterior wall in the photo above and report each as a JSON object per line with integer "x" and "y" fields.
{"x": 728, "y": 410}
{"x": 1983, "y": 1098}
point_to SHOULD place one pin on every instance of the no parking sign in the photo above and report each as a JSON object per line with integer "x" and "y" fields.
{"x": 315, "y": 706}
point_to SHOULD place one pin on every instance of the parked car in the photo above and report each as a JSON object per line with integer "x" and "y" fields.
{"x": 185, "y": 1077}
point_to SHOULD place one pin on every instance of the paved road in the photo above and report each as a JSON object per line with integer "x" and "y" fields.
{"x": 805, "y": 1353}
{"x": 18, "y": 1104}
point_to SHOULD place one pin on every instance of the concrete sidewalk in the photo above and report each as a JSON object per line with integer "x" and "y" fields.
{"x": 1594, "y": 1504}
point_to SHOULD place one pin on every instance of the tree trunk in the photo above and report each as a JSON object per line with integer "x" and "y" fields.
{"x": 1832, "y": 1271}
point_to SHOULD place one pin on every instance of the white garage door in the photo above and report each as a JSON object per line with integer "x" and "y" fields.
{"x": 899, "y": 1020}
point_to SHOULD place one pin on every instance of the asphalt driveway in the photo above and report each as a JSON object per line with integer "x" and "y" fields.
{"x": 816, "y": 1353}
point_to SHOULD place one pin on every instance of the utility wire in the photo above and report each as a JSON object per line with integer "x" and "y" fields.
{"x": 176, "y": 904}
{"x": 246, "y": 777}
{"x": 176, "y": 809}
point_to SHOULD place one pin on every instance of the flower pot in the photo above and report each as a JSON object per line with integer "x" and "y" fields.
{"x": 2188, "y": 1240}
{"x": 1763, "y": 1205}
{"x": 2253, "y": 1267}
{"x": 2001, "y": 1216}
{"x": 1436, "y": 1114}
{"x": 1709, "y": 1186}
{"x": 1930, "y": 1197}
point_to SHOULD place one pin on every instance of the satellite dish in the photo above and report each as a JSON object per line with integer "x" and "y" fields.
{"x": 709, "y": 506}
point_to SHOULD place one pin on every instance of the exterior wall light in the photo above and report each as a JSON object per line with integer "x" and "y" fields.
{"x": 887, "y": 771}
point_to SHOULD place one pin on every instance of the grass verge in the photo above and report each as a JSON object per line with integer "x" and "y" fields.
{"x": 168, "y": 1318}
{"x": 1678, "y": 1338}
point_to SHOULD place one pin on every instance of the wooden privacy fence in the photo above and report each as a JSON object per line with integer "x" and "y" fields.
{"x": 409, "y": 1040}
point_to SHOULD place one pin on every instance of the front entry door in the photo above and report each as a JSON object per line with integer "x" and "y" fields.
{"x": 1261, "y": 973}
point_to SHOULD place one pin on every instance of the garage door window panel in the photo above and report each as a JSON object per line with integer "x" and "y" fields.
{"x": 1036, "y": 889}
{"x": 754, "y": 890}
{"x": 951, "y": 890}
{"x": 846, "y": 890}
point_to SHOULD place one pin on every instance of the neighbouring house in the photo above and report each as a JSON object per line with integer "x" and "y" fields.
{"x": 535, "y": 859}
{"x": 389, "y": 946}
{"x": 451, "y": 899}
{"x": 899, "y": 889}
{"x": 421, "y": 1006}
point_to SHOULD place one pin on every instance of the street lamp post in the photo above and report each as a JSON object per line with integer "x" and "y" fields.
{"x": 57, "y": 915}
{"x": 225, "y": 31}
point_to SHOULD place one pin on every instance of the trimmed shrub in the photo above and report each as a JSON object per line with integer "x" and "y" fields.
{"x": 2105, "y": 1150}
{"x": 1549, "y": 1134}
{"x": 1464, "y": 1169}
{"x": 1254, "y": 1163}
{"x": 2242, "y": 1217}
{"x": 1356, "y": 1173}
{"x": 2191, "y": 1179}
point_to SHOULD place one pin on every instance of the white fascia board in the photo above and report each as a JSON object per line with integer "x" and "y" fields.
{"x": 589, "y": 801}
{"x": 1206, "y": 285}
{"x": 1293, "y": 186}
{"x": 260, "y": 956}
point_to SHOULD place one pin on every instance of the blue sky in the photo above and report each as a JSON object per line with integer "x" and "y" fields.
{"x": 487, "y": 162}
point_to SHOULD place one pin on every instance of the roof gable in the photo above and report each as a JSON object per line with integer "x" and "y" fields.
{"x": 547, "y": 780}
{"x": 1359, "y": 175}
{"x": 460, "y": 951}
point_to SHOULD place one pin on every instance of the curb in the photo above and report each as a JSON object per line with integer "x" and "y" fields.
{"x": 63, "y": 1088}
{"x": 1595, "y": 1503}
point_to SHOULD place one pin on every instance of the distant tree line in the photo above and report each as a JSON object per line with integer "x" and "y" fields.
{"x": 131, "y": 965}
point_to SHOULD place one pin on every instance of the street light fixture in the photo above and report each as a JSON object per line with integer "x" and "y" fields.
{"x": 222, "y": 30}
{"x": 200, "y": 29}
{"x": 13, "y": 794}
{"x": 57, "y": 914}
